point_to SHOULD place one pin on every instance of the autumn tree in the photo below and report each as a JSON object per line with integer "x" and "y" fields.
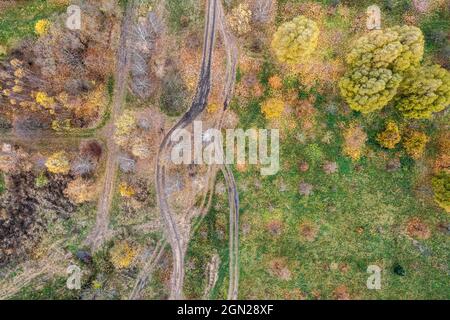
{"x": 273, "y": 108}
{"x": 354, "y": 141}
{"x": 415, "y": 143}
{"x": 295, "y": 40}
{"x": 80, "y": 191}
{"x": 441, "y": 188}
{"x": 390, "y": 137}
{"x": 58, "y": 163}
{"x": 122, "y": 254}
{"x": 424, "y": 92}
{"x": 377, "y": 64}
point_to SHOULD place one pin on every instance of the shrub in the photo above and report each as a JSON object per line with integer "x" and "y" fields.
{"x": 174, "y": 95}
{"x": 122, "y": 255}
{"x": 58, "y": 163}
{"x": 424, "y": 91}
{"x": 415, "y": 143}
{"x": 295, "y": 40}
{"x": 2, "y": 183}
{"x": 126, "y": 190}
{"x": 79, "y": 191}
{"x": 275, "y": 82}
{"x": 125, "y": 125}
{"x": 390, "y": 137}
{"x": 441, "y": 188}
{"x": 41, "y": 180}
{"x": 273, "y": 108}
{"x": 354, "y": 141}
{"x": 41, "y": 27}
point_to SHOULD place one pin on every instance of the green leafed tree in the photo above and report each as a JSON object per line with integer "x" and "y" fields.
{"x": 424, "y": 91}
{"x": 295, "y": 40}
{"x": 377, "y": 64}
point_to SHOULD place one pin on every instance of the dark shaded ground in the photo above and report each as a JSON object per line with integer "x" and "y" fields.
{"x": 22, "y": 221}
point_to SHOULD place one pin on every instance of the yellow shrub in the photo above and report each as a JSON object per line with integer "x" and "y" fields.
{"x": 415, "y": 143}
{"x": 126, "y": 190}
{"x": 212, "y": 108}
{"x": 44, "y": 100}
{"x": 80, "y": 191}
{"x": 390, "y": 137}
{"x": 354, "y": 141}
{"x": 122, "y": 255}
{"x": 273, "y": 108}
{"x": 295, "y": 40}
{"x": 441, "y": 188}
{"x": 41, "y": 27}
{"x": 58, "y": 163}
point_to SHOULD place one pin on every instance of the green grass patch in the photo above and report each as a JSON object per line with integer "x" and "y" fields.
{"x": 18, "y": 21}
{"x": 2, "y": 183}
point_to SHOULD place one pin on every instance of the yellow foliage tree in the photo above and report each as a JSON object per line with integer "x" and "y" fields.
{"x": 273, "y": 108}
{"x": 44, "y": 100}
{"x": 58, "y": 163}
{"x": 377, "y": 64}
{"x": 354, "y": 141}
{"x": 441, "y": 188}
{"x": 424, "y": 91}
{"x": 390, "y": 137}
{"x": 126, "y": 190}
{"x": 79, "y": 191}
{"x": 122, "y": 254}
{"x": 295, "y": 40}
{"x": 415, "y": 143}
{"x": 42, "y": 26}
{"x": 125, "y": 125}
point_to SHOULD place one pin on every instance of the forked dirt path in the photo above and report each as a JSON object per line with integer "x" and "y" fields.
{"x": 101, "y": 231}
{"x": 198, "y": 105}
{"x": 214, "y": 14}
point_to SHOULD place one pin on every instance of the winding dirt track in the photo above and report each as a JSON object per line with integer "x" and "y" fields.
{"x": 214, "y": 13}
{"x": 198, "y": 105}
{"x": 101, "y": 230}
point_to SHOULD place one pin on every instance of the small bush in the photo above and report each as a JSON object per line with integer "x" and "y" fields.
{"x": 390, "y": 137}
{"x": 58, "y": 163}
{"x": 441, "y": 188}
{"x": 122, "y": 254}
{"x": 273, "y": 108}
{"x": 415, "y": 143}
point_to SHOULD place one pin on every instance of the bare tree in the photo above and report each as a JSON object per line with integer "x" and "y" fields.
{"x": 262, "y": 10}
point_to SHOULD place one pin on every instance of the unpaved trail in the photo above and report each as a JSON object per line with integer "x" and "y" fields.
{"x": 101, "y": 230}
{"x": 233, "y": 200}
{"x": 214, "y": 13}
{"x": 198, "y": 105}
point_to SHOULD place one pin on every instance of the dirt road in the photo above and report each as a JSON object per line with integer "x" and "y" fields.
{"x": 198, "y": 105}
{"x": 101, "y": 230}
